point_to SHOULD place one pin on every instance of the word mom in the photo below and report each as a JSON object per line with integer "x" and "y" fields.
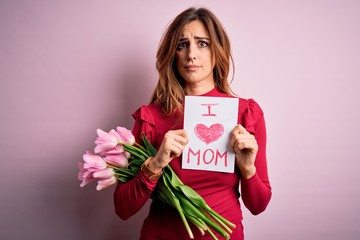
{"x": 207, "y": 157}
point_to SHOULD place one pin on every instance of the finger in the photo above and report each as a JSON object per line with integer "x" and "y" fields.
{"x": 244, "y": 141}
{"x": 248, "y": 145}
{"x": 174, "y": 148}
{"x": 180, "y": 136}
{"x": 237, "y": 132}
{"x": 182, "y": 140}
{"x": 183, "y": 135}
{"x": 239, "y": 129}
{"x": 176, "y": 152}
{"x": 180, "y": 144}
{"x": 181, "y": 132}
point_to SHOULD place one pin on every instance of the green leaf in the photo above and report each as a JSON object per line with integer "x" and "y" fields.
{"x": 149, "y": 148}
{"x": 135, "y": 163}
{"x": 136, "y": 152}
{"x": 123, "y": 179}
{"x": 196, "y": 199}
{"x": 135, "y": 169}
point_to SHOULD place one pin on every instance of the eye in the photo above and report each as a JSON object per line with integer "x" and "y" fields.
{"x": 203, "y": 44}
{"x": 181, "y": 45}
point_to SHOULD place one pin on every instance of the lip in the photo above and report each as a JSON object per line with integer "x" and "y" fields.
{"x": 192, "y": 67}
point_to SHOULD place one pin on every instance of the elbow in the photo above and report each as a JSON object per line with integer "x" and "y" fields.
{"x": 257, "y": 211}
{"x": 122, "y": 214}
{"x": 260, "y": 206}
{"x": 120, "y": 209}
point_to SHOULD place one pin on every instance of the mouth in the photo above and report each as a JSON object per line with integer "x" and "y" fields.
{"x": 192, "y": 67}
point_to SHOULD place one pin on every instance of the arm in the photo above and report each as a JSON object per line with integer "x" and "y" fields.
{"x": 130, "y": 197}
{"x": 256, "y": 189}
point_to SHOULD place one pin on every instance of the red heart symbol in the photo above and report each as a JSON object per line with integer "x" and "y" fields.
{"x": 209, "y": 135}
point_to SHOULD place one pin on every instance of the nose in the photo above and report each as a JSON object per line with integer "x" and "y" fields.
{"x": 192, "y": 51}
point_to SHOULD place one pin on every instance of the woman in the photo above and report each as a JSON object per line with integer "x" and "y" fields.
{"x": 194, "y": 59}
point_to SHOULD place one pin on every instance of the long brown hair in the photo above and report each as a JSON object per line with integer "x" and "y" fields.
{"x": 169, "y": 91}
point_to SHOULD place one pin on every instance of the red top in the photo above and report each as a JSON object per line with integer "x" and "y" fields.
{"x": 220, "y": 190}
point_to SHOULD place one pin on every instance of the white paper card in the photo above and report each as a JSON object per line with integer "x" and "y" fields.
{"x": 208, "y": 122}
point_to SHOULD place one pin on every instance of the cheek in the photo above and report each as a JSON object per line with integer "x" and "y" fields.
{"x": 178, "y": 59}
{"x": 211, "y": 60}
{"x": 178, "y": 56}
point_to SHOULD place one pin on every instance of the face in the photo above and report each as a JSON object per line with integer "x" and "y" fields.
{"x": 194, "y": 58}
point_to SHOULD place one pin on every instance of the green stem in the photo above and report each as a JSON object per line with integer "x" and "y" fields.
{"x": 198, "y": 223}
{"x": 136, "y": 151}
{"x": 167, "y": 196}
{"x": 221, "y": 223}
{"x": 124, "y": 174}
{"x": 219, "y": 217}
{"x": 140, "y": 146}
{"x": 196, "y": 211}
{"x": 213, "y": 235}
{"x": 114, "y": 167}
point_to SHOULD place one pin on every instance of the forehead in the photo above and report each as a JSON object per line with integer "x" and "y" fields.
{"x": 194, "y": 28}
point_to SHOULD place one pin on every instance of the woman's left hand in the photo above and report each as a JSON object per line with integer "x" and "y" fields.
{"x": 245, "y": 147}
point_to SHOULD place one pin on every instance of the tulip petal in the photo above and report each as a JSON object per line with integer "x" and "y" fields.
{"x": 86, "y": 181}
{"x": 101, "y": 133}
{"x": 106, "y": 173}
{"x": 105, "y": 183}
{"x": 118, "y": 160}
{"x": 107, "y": 146}
{"x": 126, "y": 135}
{"x": 93, "y": 161}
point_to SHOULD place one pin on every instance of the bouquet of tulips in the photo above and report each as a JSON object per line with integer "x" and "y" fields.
{"x": 118, "y": 157}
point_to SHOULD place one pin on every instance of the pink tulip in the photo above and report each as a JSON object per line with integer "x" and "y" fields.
{"x": 118, "y": 149}
{"x": 117, "y": 160}
{"x": 111, "y": 142}
{"x": 106, "y": 141}
{"x": 93, "y": 163}
{"x": 106, "y": 182}
{"x": 84, "y": 175}
{"x": 126, "y": 135}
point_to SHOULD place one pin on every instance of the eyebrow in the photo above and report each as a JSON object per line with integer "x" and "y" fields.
{"x": 196, "y": 37}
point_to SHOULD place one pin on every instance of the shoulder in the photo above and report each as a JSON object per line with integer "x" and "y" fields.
{"x": 250, "y": 113}
{"x": 147, "y": 113}
{"x": 250, "y": 106}
{"x": 145, "y": 119}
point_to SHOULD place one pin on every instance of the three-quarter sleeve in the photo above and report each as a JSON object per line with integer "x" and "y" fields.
{"x": 256, "y": 191}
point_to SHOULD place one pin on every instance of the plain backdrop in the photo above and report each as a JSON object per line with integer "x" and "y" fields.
{"x": 70, "y": 67}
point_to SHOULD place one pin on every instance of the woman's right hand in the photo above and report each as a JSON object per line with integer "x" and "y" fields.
{"x": 172, "y": 146}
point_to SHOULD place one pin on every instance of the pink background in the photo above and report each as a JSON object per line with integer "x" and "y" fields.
{"x": 69, "y": 67}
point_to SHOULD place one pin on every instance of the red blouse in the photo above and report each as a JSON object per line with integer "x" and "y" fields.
{"x": 220, "y": 190}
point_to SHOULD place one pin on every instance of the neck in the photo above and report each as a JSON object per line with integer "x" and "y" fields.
{"x": 196, "y": 90}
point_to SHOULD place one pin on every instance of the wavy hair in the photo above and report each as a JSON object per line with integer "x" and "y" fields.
{"x": 169, "y": 91}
